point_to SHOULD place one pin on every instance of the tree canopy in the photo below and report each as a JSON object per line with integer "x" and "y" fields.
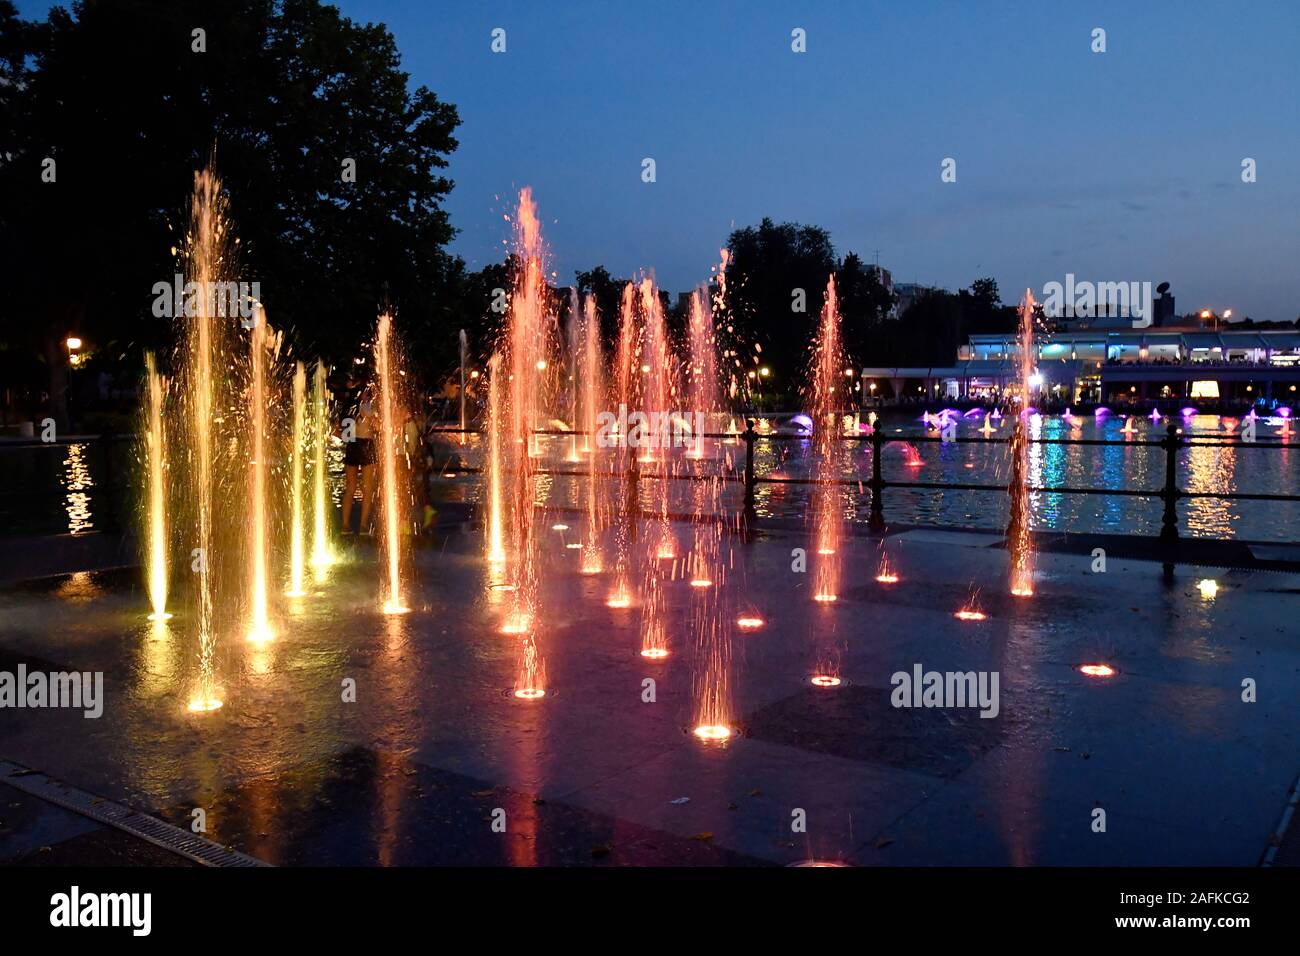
{"x": 776, "y": 269}
{"x": 128, "y": 100}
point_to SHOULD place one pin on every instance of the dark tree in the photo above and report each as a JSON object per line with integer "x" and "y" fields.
{"x": 864, "y": 305}
{"x": 609, "y": 296}
{"x": 285, "y": 92}
{"x": 985, "y": 293}
{"x": 769, "y": 266}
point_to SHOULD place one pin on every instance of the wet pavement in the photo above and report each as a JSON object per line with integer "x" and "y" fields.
{"x": 435, "y": 763}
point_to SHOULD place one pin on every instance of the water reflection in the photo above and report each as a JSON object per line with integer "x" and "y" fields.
{"x": 77, "y": 483}
{"x": 1212, "y": 469}
{"x": 1119, "y": 465}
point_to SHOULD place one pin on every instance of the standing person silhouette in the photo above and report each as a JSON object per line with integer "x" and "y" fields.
{"x": 359, "y": 454}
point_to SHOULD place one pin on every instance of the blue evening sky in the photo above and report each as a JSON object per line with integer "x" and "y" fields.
{"x": 1124, "y": 165}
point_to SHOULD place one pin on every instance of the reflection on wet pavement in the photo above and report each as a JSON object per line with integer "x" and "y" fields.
{"x": 411, "y": 768}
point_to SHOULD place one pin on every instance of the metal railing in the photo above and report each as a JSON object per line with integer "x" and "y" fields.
{"x": 1169, "y": 493}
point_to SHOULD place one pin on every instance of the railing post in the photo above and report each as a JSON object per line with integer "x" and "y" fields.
{"x": 749, "y": 435}
{"x": 1169, "y": 525}
{"x": 877, "y": 520}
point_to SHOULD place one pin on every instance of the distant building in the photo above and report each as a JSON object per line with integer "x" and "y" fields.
{"x": 1101, "y": 358}
{"x": 1163, "y": 307}
{"x": 1118, "y": 366}
{"x": 884, "y": 275}
{"x": 907, "y": 293}
{"x": 1114, "y": 313}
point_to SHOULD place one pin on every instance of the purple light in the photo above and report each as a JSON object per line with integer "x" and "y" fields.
{"x": 1284, "y": 412}
{"x": 1188, "y": 412}
{"x": 1103, "y": 410}
{"x": 804, "y": 422}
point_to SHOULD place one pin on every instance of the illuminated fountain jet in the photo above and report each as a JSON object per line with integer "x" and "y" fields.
{"x": 708, "y": 615}
{"x": 394, "y": 496}
{"x": 1019, "y": 543}
{"x": 827, "y": 505}
{"x": 208, "y": 254}
{"x": 525, "y": 347}
{"x": 297, "y": 518}
{"x": 156, "y": 520}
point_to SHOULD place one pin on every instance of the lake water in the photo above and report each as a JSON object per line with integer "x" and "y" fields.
{"x": 82, "y": 487}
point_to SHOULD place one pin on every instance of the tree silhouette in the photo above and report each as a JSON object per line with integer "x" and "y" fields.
{"x": 286, "y": 91}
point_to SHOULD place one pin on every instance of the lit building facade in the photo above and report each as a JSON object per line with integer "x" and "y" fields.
{"x": 1113, "y": 367}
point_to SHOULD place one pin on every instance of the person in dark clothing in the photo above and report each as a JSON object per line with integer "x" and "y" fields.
{"x": 359, "y": 453}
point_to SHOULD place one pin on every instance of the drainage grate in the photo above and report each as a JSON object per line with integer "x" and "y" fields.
{"x": 155, "y": 831}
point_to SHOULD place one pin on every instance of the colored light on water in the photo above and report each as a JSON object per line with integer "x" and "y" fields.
{"x": 887, "y": 578}
{"x": 1208, "y": 587}
{"x": 515, "y": 624}
{"x": 655, "y": 653}
{"x": 701, "y": 583}
{"x": 712, "y": 732}
{"x": 261, "y": 635}
{"x": 1022, "y": 591}
{"x": 969, "y": 614}
{"x": 749, "y": 623}
{"x": 825, "y": 680}
{"x": 1097, "y": 670}
{"x": 160, "y": 616}
{"x": 204, "y": 704}
{"x": 393, "y": 607}
{"x": 825, "y": 598}
{"x": 530, "y": 693}
{"x": 820, "y": 864}
{"x": 559, "y": 527}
